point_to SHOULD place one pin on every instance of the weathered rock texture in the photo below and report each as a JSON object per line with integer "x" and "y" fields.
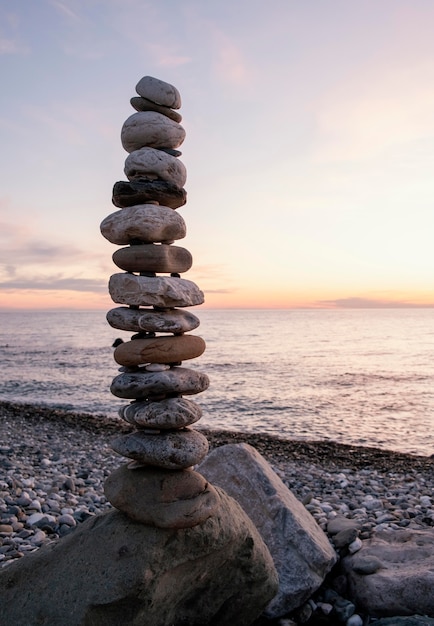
{"x": 113, "y": 571}
{"x": 401, "y": 572}
{"x": 301, "y": 551}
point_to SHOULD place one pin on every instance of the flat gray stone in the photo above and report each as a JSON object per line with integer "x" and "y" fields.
{"x": 161, "y": 291}
{"x": 141, "y": 191}
{"x": 113, "y": 571}
{"x": 159, "y": 91}
{"x": 166, "y": 414}
{"x": 146, "y": 223}
{"x": 149, "y": 320}
{"x": 152, "y": 163}
{"x": 142, "y": 384}
{"x": 149, "y": 257}
{"x": 402, "y": 582}
{"x": 301, "y": 551}
{"x": 152, "y": 129}
{"x": 177, "y": 449}
{"x": 143, "y": 104}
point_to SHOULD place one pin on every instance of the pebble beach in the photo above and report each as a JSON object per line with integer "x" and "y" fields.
{"x": 54, "y": 464}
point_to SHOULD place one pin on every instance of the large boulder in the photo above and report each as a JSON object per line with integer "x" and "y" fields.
{"x": 301, "y": 551}
{"x": 115, "y": 571}
{"x": 393, "y": 573}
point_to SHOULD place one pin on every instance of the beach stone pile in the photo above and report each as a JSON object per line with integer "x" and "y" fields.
{"x": 164, "y": 447}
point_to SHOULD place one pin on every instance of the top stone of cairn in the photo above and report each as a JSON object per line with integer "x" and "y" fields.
{"x": 159, "y": 92}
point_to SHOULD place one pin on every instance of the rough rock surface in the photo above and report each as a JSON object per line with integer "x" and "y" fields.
{"x": 171, "y": 321}
{"x": 301, "y": 551}
{"x": 144, "y": 223}
{"x": 149, "y": 128}
{"x": 159, "y": 91}
{"x": 143, "y": 384}
{"x": 153, "y": 163}
{"x": 161, "y": 291}
{"x": 219, "y": 572}
{"x": 176, "y": 449}
{"x": 402, "y": 572}
{"x": 165, "y": 414}
{"x": 163, "y": 498}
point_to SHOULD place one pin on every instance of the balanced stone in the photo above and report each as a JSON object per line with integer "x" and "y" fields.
{"x": 152, "y": 163}
{"x": 163, "y": 349}
{"x": 171, "y": 321}
{"x": 161, "y": 291}
{"x": 174, "y": 499}
{"x": 153, "y": 258}
{"x": 159, "y": 92}
{"x": 145, "y": 223}
{"x": 177, "y": 449}
{"x": 141, "y": 191}
{"x": 143, "y": 384}
{"x": 166, "y": 414}
{"x": 143, "y": 104}
{"x": 149, "y": 128}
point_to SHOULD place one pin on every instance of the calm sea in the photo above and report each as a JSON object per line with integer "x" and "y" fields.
{"x": 363, "y": 377}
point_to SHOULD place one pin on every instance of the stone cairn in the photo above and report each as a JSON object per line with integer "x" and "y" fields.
{"x": 158, "y": 487}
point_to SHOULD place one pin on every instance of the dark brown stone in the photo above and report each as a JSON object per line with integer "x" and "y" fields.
{"x": 161, "y": 497}
{"x": 168, "y": 349}
{"x": 153, "y": 258}
{"x": 143, "y": 104}
{"x": 127, "y": 194}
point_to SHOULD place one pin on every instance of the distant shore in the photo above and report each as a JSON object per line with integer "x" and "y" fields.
{"x": 329, "y": 454}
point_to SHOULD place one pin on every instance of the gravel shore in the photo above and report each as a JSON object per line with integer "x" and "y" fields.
{"x": 53, "y": 466}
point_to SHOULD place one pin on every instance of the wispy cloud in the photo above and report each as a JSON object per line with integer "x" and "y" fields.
{"x": 65, "y": 9}
{"x": 55, "y": 283}
{"x": 167, "y": 55}
{"x": 230, "y": 63}
{"x": 12, "y": 46}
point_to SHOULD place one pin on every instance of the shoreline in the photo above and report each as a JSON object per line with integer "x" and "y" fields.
{"x": 327, "y": 453}
{"x": 54, "y": 463}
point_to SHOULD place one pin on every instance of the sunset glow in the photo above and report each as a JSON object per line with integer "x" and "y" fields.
{"x": 309, "y": 148}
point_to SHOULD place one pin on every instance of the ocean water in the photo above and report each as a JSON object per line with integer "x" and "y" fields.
{"x": 362, "y": 377}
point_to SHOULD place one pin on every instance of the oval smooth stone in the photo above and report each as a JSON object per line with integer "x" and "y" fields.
{"x": 172, "y": 321}
{"x": 149, "y": 162}
{"x": 141, "y": 385}
{"x": 165, "y": 349}
{"x": 153, "y": 258}
{"x": 161, "y": 497}
{"x": 161, "y": 291}
{"x": 176, "y": 449}
{"x": 143, "y": 104}
{"x": 141, "y": 191}
{"x": 159, "y": 91}
{"x": 166, "y": 414}
{"x": 146, "y": 223}
{"x": 152, "y": 129}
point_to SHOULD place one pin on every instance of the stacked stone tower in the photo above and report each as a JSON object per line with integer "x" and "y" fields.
{"x": 158, "y": 487}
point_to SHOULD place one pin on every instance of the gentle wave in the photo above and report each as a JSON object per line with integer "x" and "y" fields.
{"x": 360, "y": 377}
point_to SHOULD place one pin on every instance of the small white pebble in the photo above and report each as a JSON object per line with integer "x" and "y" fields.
{"x": 354, "y": 620}
{"x": 355, "y": 545}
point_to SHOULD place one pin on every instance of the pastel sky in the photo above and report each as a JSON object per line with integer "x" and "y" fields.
{"x": 309, "y": 147}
